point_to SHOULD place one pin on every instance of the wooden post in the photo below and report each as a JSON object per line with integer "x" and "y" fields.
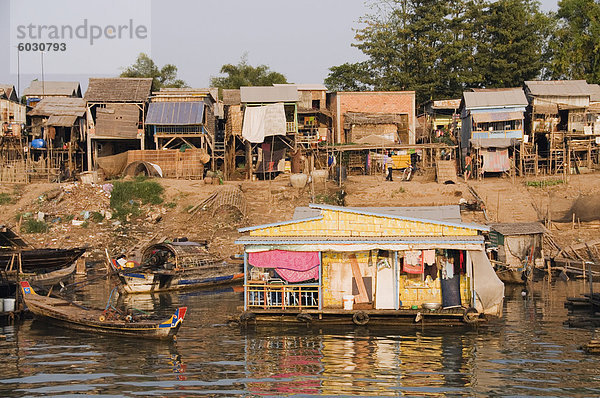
{"x": 549, "y": 263}
{"x": 80, "y": 266}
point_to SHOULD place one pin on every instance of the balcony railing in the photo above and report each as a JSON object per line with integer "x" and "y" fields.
{"x": 290, "y": 127}
{"x": 280, "y": 296}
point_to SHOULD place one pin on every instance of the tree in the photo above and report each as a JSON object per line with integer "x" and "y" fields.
{"x": 515, "y": 41}
{"x": 244, "y": 74}
{"x": 439, "y": 48}
{"x": 349, "y": 77}
{"x": 575, "y": 45}
{"x": 144, "y": 66}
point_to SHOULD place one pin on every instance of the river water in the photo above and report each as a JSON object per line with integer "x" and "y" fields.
{"x": 527, "y": 353}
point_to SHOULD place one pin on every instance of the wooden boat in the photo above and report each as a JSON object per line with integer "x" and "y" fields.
{"x": 107, "y": 321}
{"x": 175, "y": 266}
{"x": 44, "y": 266}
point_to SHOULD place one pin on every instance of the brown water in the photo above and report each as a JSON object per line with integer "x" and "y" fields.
{"x": 528, "y": 353}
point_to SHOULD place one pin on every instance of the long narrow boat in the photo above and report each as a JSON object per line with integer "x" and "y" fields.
{"x": 176, "y": 266}
{"x": 99, "y": 321}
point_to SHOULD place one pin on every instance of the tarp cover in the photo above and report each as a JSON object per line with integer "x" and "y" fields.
{"x": 488, "y": 117}
{"x": 263, "y": 121}
{"x": 175, "y": 113}
{"x": 292, "y": 266}
{"x": 495, "y": 161}
{"x": 489, "y": 289}
{"x": 493, "y": 142}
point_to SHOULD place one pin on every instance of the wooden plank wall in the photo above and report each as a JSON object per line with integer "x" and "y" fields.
{"x": 174, "y": 163}
{"x": 118, "y": 120}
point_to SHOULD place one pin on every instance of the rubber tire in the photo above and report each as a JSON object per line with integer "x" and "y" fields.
{"x": 360, "y": 318}
{"x": 304, "y": 318}
{"x": 471, "y": 315}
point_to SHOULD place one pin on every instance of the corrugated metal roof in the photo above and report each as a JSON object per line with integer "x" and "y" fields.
{"x": 519, "y": 228}
{"x": 175, "y": 113}
{"x": 450, "y": 213}
{"x": 446, "y": 104}
{"x": 52, "y": 88}
{"x": 269, "y": 94}
{"x": 61, "y": 121}
{"x": 486, "y": 117}
{"x": 304, "y": 86}
{"x": 595, "y": 92}
{"x": 357, "y": 240}
{"x": 447, "y": 215}
{"x": 119, "y": 89}
{"x": 59, "y": 106}
{"x": 8, "y": 91}
{"x": 558, "y": 88}
{"x": 491, "y": 99}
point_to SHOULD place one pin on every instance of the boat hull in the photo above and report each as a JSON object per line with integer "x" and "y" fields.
{"x": 134, "y": 282}
{"x": 76, "y": 317}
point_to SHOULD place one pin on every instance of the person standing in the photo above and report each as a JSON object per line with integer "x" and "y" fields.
{"x": 468, "y": 166}
{"x": 389, "y": 165}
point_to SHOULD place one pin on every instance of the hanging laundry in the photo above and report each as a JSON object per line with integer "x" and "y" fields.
{"x": 448, "y": 269}
{"x": 413, "y": 262}
{"x": 429, "y": 257}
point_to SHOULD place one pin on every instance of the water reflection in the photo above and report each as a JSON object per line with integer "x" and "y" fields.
{"x": 528, "y": 352}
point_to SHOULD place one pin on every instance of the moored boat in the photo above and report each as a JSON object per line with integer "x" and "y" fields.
{"x": 175, "y": 266}
{"x": 100, "y": 321}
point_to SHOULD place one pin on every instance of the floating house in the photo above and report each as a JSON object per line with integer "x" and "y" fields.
{"x": 516, "y": 250}
{"x": 369, "y": 265}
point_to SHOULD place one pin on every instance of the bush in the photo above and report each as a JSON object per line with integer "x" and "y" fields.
{"x": 96, "y": 217}
{"x": 5, "y": 198}
{"x": 127, "y": 196}
{"x": 31, "y": 226}
{"x": 543, "y": 183}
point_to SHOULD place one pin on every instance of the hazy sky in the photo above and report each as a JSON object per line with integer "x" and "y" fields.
{"x": 300, "y": 39}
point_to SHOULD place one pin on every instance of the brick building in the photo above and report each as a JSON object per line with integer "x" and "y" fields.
{"x": 381, "y": 115}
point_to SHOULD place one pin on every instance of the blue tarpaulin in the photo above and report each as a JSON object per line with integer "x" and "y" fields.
{"x": 175, "y": 113}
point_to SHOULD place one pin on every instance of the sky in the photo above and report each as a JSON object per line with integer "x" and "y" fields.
{"x": 301, "y": 39}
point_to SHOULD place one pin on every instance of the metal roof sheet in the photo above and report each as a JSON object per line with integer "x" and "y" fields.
{"x": 59, "y": 106}
{"x": 52, "y": 88}
{"x": 446, "y": 104}
{"x": 269, "y": 94}
{"x": 491, "y": 99}
{"x": 559, "y": 88}
{"x": 175, "y": 113}
{"x": 594, "y": 92}
{"x": 450, "y": 213}
{"x": 304, "y": 86}
{"x": 62, "y": 121}
{"x": 357, "y": 240}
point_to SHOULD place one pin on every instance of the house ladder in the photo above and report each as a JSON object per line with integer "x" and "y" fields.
{"x": 218, "y": 151}
{"x": 558, "y": 158}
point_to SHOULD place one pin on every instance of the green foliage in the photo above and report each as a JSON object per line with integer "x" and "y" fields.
{"x": 336, "y": 199}
{"x": 349, "y": 77}
{"x": 127, "y": 196}
{"x": 544, "y": 183}
{"x": 440, "y": 48}
{"x": 68, "y": 218}
{"x": 244, "y": 74}
{"x": 96, "y": 217}
{"x": 144, "y": 66}
{"x": 574, "y": 48}
{"x": 31, "y": 226}
{"x": 170, "y": 205}
{"x": 5, "y": 198}
{"x": 187, "y": 208}
{"x": 85, "y": 224}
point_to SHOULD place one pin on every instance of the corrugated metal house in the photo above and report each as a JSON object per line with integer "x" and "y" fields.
{"x": 369, "y": 265}
{"x": 492, "y": 120}
{"x": 116, "y": 112}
